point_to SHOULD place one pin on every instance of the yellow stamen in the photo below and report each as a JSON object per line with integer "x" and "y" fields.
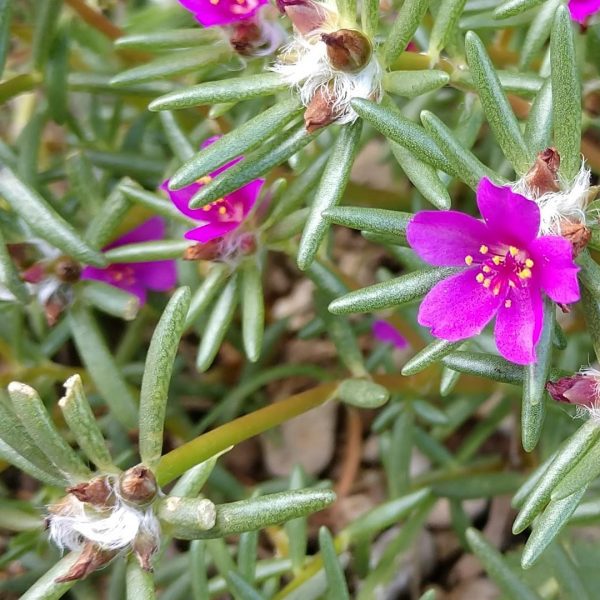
{"x": 214, "y": 2}
{"x": 486, "y": 269}
{"x": 483, "y": 249}
{"x": 508, "y": 303}
{"x": 207, "y": 207}
{"x": 222, "y": 210}
{"x": 496, "y": 290}
{"x": 487, "y": 283}
{"x": 525, "y": 273}
{"x": 207, "y": 178}
{"x": 529, "y": 263}
{"x": 469, "y": 259}
{"x": 513, "y": 251}
{"x": 496, "y": 260}
{"x": 480, "y": 278}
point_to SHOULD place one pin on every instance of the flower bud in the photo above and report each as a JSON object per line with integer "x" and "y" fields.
{"x": 543, "y": 176}
{"x": 319, "y": 112}
{"x": 245, "y": 37}
{"x": 305, "y": 15}
{"x": 581, "y": 389}
{"x": 207, "y": 251}
{"x": 138, "y": 485}
{"x": 97, "y": 492}
{"x": 348, "y": 50}
{"x": 577, "y": 233}
{"x": 90, "y": 560}
{"x": 67, "y": 270}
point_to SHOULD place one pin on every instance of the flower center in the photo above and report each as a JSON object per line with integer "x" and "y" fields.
{"x": 500, "y": 271}
{"x": 122, "y": 274}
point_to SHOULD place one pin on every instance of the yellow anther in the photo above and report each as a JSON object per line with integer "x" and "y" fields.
{"x": 529, "y": 263}
{"x": 469, "y": 259}
{"x": 480, "y": 278}
{"x": 486, "y": 269}
{"x": 222, "y": 210}
{"x": 483, "y": 249}
{"x": 487, "y": 283}
{"x": 206, "y": 178}
{"x": 525, "y": 273}
{"x": 207, "y": 207}
{"x": 214, "y": 2}
{"x": 508, "y": 303}
{"x": 496, "y": 260}
{"x": 513, "y": 251}
{"x": 496, "y": 290}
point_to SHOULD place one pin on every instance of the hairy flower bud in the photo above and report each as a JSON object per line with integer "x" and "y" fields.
{"x": 91, "y": 559}
{"x": 97, "y": 492}
{"x": 580, "y": 389}
{"x": 543, "y": 176}
{"x": 138, "y": 485}
{"x": 320, "y": 111}
{"x": 348, "y": 50}
{"x": 305, "y": 15}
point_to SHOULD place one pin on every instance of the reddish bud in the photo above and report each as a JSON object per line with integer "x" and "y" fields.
{"x": 246, "y": 36}
{"x": 580, "y": 389}
{"x": 319, "y": 112}
{"x": 543, "y": 176}
{"x": 34, "y": 274}
{"x": 305, "y": 15}
{"x": 138, "y": 485}
{"x": 67, "y": 270}
{"x": 97, "y": 492}
{"x": 91, "y": 559}
{"x": 348, "y": 50}
{"x": 208, "y": 251}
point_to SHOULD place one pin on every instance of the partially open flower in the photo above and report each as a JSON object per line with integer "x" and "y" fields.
{"x": 580, "y": 389}
{"x": 328, "y": 60}
{"x": 506, "y": 265}
{"x": 219, "y": 222}
{"x": 138, "y": 278}
{"x": 107, "y": 516}
{"x": 210, "y": 13}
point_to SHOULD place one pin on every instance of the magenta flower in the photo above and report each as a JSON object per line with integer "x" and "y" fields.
{"x": 385, "y": 332}
{"x": 581, "y": 389}
{"x": 582, "y": 9}
{"x": 137, "y": 278}
{"x": 222, "y": 12}
{"x": 220, "y": 217}
{"x": 505, "y": 268}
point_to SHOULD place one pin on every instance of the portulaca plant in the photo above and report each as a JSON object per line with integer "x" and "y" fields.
{"x": 295, "y": 296}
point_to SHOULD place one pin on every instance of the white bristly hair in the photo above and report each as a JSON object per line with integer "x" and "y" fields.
{"x": 567, "y": 204}
{"x": 304, "y": 64}
{"x": 112, "y": 528}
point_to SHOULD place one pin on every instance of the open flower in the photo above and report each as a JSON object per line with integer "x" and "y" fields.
{"x": 328, "y": 61}
{"x": 504, "y": 268}
{"x": 222, "y": 12}
{"x": 220, "y": 220}
{"x": 582, "y": 9}
{"x": 385, "y": 332}
{"x": 138, "y": 278}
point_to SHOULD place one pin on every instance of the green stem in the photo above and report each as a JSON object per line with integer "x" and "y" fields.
{"x": 176, "y": 462}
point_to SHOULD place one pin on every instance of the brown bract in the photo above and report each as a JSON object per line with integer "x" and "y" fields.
{"x": 543, "y": 176}
{"x": 97, "y": 492}
{"x": 319, "y": 111}
{"x": 348, "y": 50}
{"x": 246, "y": 36}
{"x": 90, "y": 560}
{"x": 577, "y": 233}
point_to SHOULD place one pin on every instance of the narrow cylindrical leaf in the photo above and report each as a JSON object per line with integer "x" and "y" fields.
{"x": 377, "y": 220}
{"x": 297, "y": 529}
{"x": 147, "y": 251}
{"x": 514, "y": 7}
{"x": 178, "y": 515}
{"x": 275, "y": 152}
{"x": 247, "y": 554}
{"x": 423, "y": 176}
{"x": 400, "y": 453}
{"x": 12, "y": 457}
{"x": 248, "y": 136}
{"x": 408, "y": 20}
{"x": 410, "y": 84}
{"x": 570, "y": 452}
{"x": 157, "y": 376}
{"x": 46, "y": 587}
{"x": 175, "y": 63}
{"x": 256, "y": 513}
{"x": 336, "y": 582}
{"x": 46, "y": 19}
{"x": 464, "y": 163}
{"x": 496, "y": 567}
{"x": 567, "y": 573}
{"x": 9, "y": 277}
{"x": 429, "y": 355}
{"x": 192, "y": 481}
{"x": 525, "y": 490}
{"x": 538, "y": 32}
{"x": 444, "y": 27}
{"x": 497, "y": 109}
{"x": 140, "y": 583}
{"x": 329, "y": 192}
{"x": 363, "y": 393}
{"x": 388, "y": 121}
{"x": 566, "y": 94}
{"x": 197, "y": 569}
{"x": 178, "y": 141}
{"x": 6, "y": 7}
{"x": 101, "y": 366}
{"x": 583, "y": 473}
{"x": 370, "y": 17}
{"x": 44, "y": 220}
{"x": 81, "y": 421}
{"x": 110, "y": 299}
{"x": 33, "y": 414}
{"x": 233, "y": 89}
{"x": 548, "y": 525}
{"x": 207, "y": 291}
{"x": 253, "y": 309}
{"x": 103, "y": 226}
{"x": 241, "y": 588}
{"x": 485, "y": 365}
{"x": 390, "y": 293}
{"x": 217, "y": 324}
{"x": 534, "y": 383}
{"x": 538, "y": 130}
{"x": 82, "y": 180}
{"x": 169, "y": 40}
{"x": 56, "y": 76}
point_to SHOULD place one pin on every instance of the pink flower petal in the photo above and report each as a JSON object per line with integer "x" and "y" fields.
{"x": 553, "y": 259}
{"x": 511, "y": 218}
{"x": 246, "y": 196}
{"x": 458, "y": 307}
{"x": 150, "y": 230}
{"x": 582, "y": 9}
{"x": 385, "y": 332}
{"x": 159, "y": 275}
{"x": 222, "y": 12}
{"x": 211, "y": 231}
{"x": 445, "y": 238}
{"x": 519, "y": 326}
